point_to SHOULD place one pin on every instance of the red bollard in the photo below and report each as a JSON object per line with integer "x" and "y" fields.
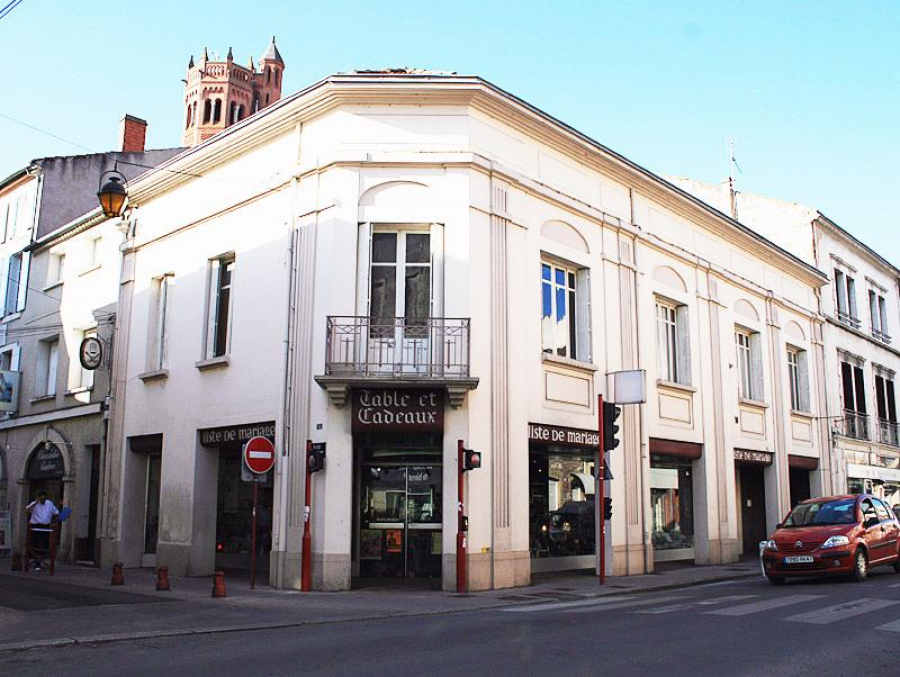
{"x": 218, "y": 589}
{"x": 17, "y": 562}
{"x": 162, "y": 578}
{"x": 118, "y": 578}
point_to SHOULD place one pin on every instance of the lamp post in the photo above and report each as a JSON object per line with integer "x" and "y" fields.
{"x": 113, "y": 193}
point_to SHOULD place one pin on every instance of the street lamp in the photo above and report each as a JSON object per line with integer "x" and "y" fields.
{"x": 112, "y": 194}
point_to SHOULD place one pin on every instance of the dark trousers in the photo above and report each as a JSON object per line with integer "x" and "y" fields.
{"x": 40, "y": 543}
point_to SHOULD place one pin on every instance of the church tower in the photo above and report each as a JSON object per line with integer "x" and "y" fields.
{"x": 219, "y": 93}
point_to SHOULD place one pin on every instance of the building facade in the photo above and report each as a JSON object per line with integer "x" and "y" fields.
{"x": 422, "y": 260}
{"x": 861, "y": 309}
{"x": 61, "y": 272}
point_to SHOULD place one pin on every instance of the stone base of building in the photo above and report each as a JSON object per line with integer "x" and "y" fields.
{"x": 331, "y": 571}
{"x": 632, "y": 560}
{"x": 285, "y": 570}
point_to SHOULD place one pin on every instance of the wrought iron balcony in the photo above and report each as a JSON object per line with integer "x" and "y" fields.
{"x": 427, "y": 350}
{"x": 888, "y": 432}
{"x": 854, "y": 424}
{"x": 881, "y": 336}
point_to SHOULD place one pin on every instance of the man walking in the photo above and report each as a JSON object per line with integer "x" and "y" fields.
{"x": 40, "y": 517}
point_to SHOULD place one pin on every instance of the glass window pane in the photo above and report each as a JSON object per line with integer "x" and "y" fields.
{"x": 545, "y": 272}
{"x": 383, "y": 293}
{"x": 418, "y": 248}
{"x": 560, "y": 277}
{"x": 384, "y": 247}
{"x": 418, "y": 294}
{"x": 547, "y": 315}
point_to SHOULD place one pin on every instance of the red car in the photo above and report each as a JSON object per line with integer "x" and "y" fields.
{"x": 845, "y": 535}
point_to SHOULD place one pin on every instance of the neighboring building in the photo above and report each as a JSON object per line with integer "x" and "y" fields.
{"x": 862, "y": 311}
{"x": 61, "y": 265}
{"x": 391, "y": 262}
{"x": 218, "y": 94}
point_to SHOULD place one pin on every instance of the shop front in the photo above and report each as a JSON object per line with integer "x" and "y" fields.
{"x": 881, "y": 476}
{"x": 750, "y": 468}
{"x": 561, "y": 501}
{"x": 672, "y": 498}
{"x": 398, "y": 485}
{"x": 234, "y": 499}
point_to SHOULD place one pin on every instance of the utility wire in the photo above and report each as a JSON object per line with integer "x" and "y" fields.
{"x": 44, "y": 131}
{"x": 9, "y": 7}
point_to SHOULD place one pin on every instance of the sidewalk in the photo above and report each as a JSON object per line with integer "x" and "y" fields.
{"x": 78, "y": 605}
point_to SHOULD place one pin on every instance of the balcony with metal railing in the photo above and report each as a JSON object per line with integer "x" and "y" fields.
{"x": 853, "y": 424}
{"x": 888, "y": 432}
{"x": 363, "y": 351}
{"x": 848, "y": 319}
{"x": 882, "y": 336}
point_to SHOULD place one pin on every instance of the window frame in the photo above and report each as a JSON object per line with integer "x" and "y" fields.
{"x": 218, "y": 332}
{"x": 576, "y": 315}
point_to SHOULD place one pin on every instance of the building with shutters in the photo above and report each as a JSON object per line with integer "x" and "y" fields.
{"x": 392, "y": 262}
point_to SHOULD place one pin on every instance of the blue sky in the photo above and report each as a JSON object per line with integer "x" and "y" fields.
{"x": 809, "y": 90}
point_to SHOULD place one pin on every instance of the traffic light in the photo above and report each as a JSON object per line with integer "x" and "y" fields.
{"x": 316, "y": 459}
{"x": 471, "y": 459}
{"x": 610, "y": 413}
{"x": 607, "y": 508}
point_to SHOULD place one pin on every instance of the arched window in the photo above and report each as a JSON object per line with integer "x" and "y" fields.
{"x": 217, "y": 113}
{"x": 267, "y": 99}
{"x": 255, "y": 103}
{"x": 277, "y": 73}
{"x": 240, "y": 112}
{"x": 268, "y": 74}
{"x": 232, "y": 113}
{"x": 187, "y": 122}
{"x": 207, "y": 110}
{"x": 193, "y": 112}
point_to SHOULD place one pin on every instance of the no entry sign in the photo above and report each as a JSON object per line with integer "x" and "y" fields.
{"x": 259, "y": 455}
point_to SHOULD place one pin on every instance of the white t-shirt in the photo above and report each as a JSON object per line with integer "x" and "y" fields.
{"x": 42, "y": 513}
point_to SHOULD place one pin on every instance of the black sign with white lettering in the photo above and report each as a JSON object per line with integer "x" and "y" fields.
{"x": 563, "y": 437}
{"x": 400, "y": 410}
{"x": 239, "y": 434}
{"x": 46, "y": 463}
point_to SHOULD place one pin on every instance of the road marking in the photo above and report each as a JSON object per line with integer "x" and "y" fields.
{"x": 890, "y": 627}
{"x": 764, "y": 605}
{"x": 566, "y": 605}
{"x": 690, "y": 605}
{"x": 839, "y": 612}
{"x": 625, "y": 605}
{"x": 895, "y": 585}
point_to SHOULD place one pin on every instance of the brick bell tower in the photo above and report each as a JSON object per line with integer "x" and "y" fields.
{"x": 219, "y": 93}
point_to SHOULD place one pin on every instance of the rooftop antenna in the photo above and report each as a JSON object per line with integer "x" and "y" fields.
{"x": 732, "y": 165}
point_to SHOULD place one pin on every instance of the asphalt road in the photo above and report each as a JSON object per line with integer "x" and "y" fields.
{"x": 738, "y": 628}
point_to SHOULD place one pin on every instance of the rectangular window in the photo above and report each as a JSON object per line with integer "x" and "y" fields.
{"x": 878, "y": 315}
{"x": 559, "y": 335}
{"x": 93, "y": 252}
{"x": 845, "y": 292}
{"x": 14, "y": 272}
{"x": 221, "y": 277}
{"x": 400, "y": 285}
{"x": 885, "y": 401}
{"x": 160, "y": 322}
{"x": 47, "y": 367}
{"x": 673, "y": 345}
{"x": 745, "y": 385}
{"x": 57, "y": 268}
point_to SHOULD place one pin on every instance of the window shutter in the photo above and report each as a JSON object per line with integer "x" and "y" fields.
{"x": 891, "y": 402}
{"x": 880, "y": 403}
{"x": 859, "y": 383}
{"x": 683, "y": 345}
{"x": 847, "y": 382}
{"x": 363, "y": 256}
{"x": 23, "y": 281}
{"x": 212, "y": 305}
{"x": 756, "y": 367}
{"x": 841, "y": 291}
{"x": 803, "y": 375}
{"x": 583, "y": 314}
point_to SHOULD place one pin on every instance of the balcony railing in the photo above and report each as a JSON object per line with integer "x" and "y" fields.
{"x": 881, "y": 336}
{"x": 854, "y": 424}
{"x": 848, "y": 319}
{"x": 888, "y": 432}
{"x": 434, "y": 348}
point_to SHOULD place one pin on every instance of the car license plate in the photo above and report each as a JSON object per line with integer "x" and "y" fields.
{"x": 799, "y": 559}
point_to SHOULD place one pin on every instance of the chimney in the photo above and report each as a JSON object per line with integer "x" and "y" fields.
{"x": 132, "y": 132}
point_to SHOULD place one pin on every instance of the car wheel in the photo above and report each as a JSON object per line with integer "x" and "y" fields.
{"x": 860, "y": 566}
{"x": 775, "y": 580}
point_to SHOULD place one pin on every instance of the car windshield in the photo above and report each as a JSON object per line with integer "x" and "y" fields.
{"x": 819, "y": 514}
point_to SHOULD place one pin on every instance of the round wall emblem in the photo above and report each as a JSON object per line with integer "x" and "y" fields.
{"x": 90, "y": 353}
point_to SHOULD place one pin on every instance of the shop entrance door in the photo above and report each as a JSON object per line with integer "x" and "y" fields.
{"x": 400, "y": 521}
{"x": 753, "y": 507}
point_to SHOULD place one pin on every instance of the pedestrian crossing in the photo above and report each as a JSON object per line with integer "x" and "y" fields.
{"x": 813, "y": 609}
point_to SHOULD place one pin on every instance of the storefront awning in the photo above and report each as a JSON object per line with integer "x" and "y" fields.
{"x": 871, "y": 472}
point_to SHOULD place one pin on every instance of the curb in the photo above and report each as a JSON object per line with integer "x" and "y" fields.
{"x": 249, "y": 627}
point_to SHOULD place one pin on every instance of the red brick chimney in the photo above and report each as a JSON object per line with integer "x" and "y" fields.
{"x": 132, "y": 132}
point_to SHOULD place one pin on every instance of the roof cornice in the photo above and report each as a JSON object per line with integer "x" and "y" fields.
{"x": 859, "y": 245}
{"x": 420, "y": 89}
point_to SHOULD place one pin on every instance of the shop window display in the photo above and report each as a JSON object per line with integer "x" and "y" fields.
{"x": 561, "y": 504}
{"x": 671, "y": 499}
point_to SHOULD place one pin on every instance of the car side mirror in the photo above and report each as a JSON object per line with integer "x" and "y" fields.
{"x": 779, "y": 525}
